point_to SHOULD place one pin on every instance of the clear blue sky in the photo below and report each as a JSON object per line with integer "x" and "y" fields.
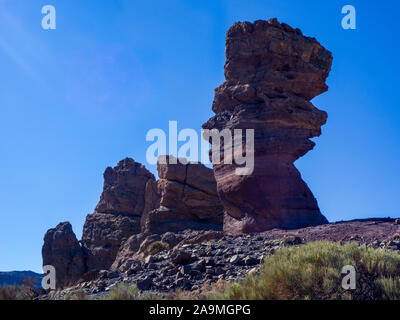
{"x": 79, "y": 98}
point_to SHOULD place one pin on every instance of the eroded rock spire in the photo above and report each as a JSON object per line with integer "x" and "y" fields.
{"x": 272, "y": 72}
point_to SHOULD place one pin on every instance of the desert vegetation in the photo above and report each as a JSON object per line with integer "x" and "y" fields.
{"x": 303, "y": 272}
{"x": 25, "y": 291}
{"x": 313, "y": 271}
{"x": 130, "y": 292}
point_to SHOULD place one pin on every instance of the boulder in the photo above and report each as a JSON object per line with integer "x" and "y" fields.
{"x": 272, "y": 72}
{"x": 61, "y": 249}
{"x": 124, "y": 188}
{"x": 189, "y": 198}
{"x": 180, "y": 256}
{"x": 129, "y": 191}
{"x": 202, "y": 236}
{"x": 103, "y": 234}
{"x": 126, "y": 256}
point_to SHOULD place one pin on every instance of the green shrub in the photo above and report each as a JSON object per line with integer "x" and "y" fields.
{"x": 313, "y": 271}
{"x": 156, "y": 247}
{"x": 129, "y": 292}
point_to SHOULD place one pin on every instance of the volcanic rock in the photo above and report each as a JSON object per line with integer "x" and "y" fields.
{"x": 124, "y": 188}
{"x": 272, "y": 72}
{"x": 189, "y": 199}
{"x": 61, "y": 249}
{"x": 179, "y": 256}
{"x": 202, "y": 236}
{"x": 129, "y": 190}
{"x": 152, "y": 198}
{"x": 103, "y": 235}
{"x": 207, "y": 263}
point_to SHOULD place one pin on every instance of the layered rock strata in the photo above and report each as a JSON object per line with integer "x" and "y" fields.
{"x": 272, "y": 72}
{"x": 118, "y": 214}
{"x": 189, "y": 199}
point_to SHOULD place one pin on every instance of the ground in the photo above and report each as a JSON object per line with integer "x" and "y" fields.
{"x": 198, "y": 267}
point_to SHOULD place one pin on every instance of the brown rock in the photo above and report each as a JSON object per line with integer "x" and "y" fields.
{"x": 180, "y": 256}
{"x": 127, "y": 253}
{"x": 189, "y": 199}
{"x": 124, "y": 188}
{"x": 102, "y": 236}
{"x": 129, "y": 191}
{"x": 152, "y": 197}
{"x": 202, "y": 236}
{"x": 61, "y": 249}
{"x": 272, "y": 72}
{"x": 171, "y": 238}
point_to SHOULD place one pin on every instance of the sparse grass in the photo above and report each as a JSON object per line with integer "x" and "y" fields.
{"x": 130, "y": 292}
{"x": 26, "y": 291}
{"x": 156, "y": 247}
{"x": 9, "y": 293}
{"x": 313, "y": 272}
{"x": 77, "y": 295}
{"x": 180, "y": 294}
{"x": 207, "y": 290}
{"x": 211, "y": 289}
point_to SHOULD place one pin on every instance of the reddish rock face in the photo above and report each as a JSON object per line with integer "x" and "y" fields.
{"x": 272, "y": 72}
{"x": 127, "y": 252}
{"x": 124, "y": 188}
{"x": 102, "y": 236}
{"x": 189, "y": 199}
{"x": 130, "y": 190}
{"x": 118, "y": 214}
{"x": 61, "y": 249}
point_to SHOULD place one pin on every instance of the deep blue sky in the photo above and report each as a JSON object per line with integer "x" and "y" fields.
{"x": 79, "y": 98}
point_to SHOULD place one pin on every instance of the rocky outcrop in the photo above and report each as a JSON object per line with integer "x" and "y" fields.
{"x": 272, "y": 72}
{"x": 195, "y": 262}
{"x": 61, "y": 249}
{"x": 102, "y": 236}
{"x": 126, "y": 255}
{"x": 118, "y": 214}
{"x": 124, "y": 189}
{"x": 189, "y": 199}
{"x": 152, "y": 197}
{"x": 112, "y": 236}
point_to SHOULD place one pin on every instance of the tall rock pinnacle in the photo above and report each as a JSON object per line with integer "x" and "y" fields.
{"x": 272, "y": 72}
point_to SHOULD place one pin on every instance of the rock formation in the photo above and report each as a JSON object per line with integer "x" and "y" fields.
{"x": 61, "y": 249}
{"x": 132, "y": 210}
{"x": 272, "y": 72}
{"x": 118, "y": 214}
{"x": 124, "y": 189}
{"x": 189, "y": 199}
{"x": 103, "y": 234}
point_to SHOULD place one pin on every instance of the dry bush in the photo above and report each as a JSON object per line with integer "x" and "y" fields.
{"x": 313, "y": 272}
{"x": 8, "y": 293}
{"x": 207, "y": 290}
{"x": 77, "y": 295}
{"x": 156, "y": 247}
{"x": 26, "y": 291}
{"x": 130, "y": 292}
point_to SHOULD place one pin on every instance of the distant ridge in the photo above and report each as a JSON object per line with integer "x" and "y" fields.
{"x": 14, "y": 278}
